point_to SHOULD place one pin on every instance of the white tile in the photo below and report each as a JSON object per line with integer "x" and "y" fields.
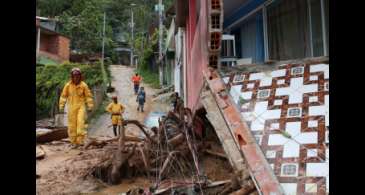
{"x": 313, "y": 99}
{"x": 272, "y": 166}
{"x": 293, "y": 128}
{"x": 291, "y": 149}
{"x": 320, "y": 68}
{"x": 235, "y": 92}
{"x": 278, "y": 73}
{"x": 296, "y": 90}
{"x": 261, "y": 114}
{"x": 266, "y": 81}
{"x": 313, "y": 78}
{"x": 280, "y": 81}
{"x": 312, "y": 123}
{"x": 307, "y": 138}
{"x": 326, "y": 103}
{"x": 250, "y": 85}
{"x": 245, "y": 106}
{"x": 257, "y": 124}
{"x": 317, "y": 110}
{"x": 278, "y": 102}
{"x": 256, "y": 76}
{"x": 327, "y": 137}
{"x": 317, "y": 169}
{"x": 296, "y": 83}
{"x": 311, "y": 187}
{"x": 247, "y": 95}
{"x": 275, "y": 126}
{"x": 277, "y": 139}
{"x": 312, "y": 152}
{"x": 226, "y": 80}
{"x": 271, "y": 154}
{"x": 248, "y": 116}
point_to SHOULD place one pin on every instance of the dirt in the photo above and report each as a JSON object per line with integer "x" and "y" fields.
{"x": 67, "y": 171}
{"x": 121, "y": 80}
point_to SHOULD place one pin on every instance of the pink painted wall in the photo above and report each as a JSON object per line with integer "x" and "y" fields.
{"x": 197, "y": 52}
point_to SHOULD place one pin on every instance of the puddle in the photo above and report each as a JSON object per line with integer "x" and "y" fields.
{"x": 152, "y": 119}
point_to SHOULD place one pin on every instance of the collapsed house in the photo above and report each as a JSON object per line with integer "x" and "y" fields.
{"x": 263, "y": 85}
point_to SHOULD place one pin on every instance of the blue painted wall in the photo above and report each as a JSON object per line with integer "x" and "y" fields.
{"x": 242, "y": 11}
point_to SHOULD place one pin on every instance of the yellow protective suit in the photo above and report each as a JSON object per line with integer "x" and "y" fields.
{"x": 76, "y": 96}
{"x": 116, "y": 110}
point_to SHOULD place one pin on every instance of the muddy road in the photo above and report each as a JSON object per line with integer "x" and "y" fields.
{"x": 64, "y": 170}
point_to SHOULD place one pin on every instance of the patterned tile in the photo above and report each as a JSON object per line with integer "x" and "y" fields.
{"x": 287, "y": 111}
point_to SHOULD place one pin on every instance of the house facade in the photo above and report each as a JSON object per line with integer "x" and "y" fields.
{"x": 49, "y": 42}
{"x": 277, "y": 30}
{"x": 264, "y": 33}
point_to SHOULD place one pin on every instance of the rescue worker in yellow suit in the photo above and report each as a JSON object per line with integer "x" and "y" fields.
{"x": 77, "y": 94}
{"x": 116, "y": 110}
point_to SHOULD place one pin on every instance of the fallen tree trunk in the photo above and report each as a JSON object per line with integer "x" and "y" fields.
{"x": 51, "y": 135}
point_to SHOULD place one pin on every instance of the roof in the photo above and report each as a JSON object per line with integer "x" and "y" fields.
{"x": 287, "y": 111}
{"x": 51, "y": 32}
{"x": 44, "y": 18}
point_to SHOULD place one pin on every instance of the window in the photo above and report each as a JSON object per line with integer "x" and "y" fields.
{"x": 326, "y": 16}
{"x": 297, "y": 29}
{"x": 252, "y": 43}
{"x": 288, "y": 32}
{"x": 316, "y": 28}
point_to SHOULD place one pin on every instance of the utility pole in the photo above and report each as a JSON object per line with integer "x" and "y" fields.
{"x": 132, "y": 28}
{"x": 102, "y": 51}
{"x": 160, "y": 41}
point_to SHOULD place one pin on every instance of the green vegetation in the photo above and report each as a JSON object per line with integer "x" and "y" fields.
{"x": 149, "y": 77}
{"x": 50, "y": 80}
{"x": 45, "y": 60}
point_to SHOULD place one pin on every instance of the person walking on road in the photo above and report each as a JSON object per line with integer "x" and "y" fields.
{"x": 116, "y": 110}
{"x": 141, "y": 99}
{"x": 76, "y": 93}
{"x": 136, "y": 79}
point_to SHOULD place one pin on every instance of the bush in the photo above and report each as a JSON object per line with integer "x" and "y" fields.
{"x": 50, "y": 80}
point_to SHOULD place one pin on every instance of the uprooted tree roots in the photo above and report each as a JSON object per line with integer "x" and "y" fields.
{"x": 165, "y": 151}
{"x": 167, "y": 154}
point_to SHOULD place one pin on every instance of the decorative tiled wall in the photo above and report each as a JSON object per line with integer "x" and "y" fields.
{"x": 287, "y": 111}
